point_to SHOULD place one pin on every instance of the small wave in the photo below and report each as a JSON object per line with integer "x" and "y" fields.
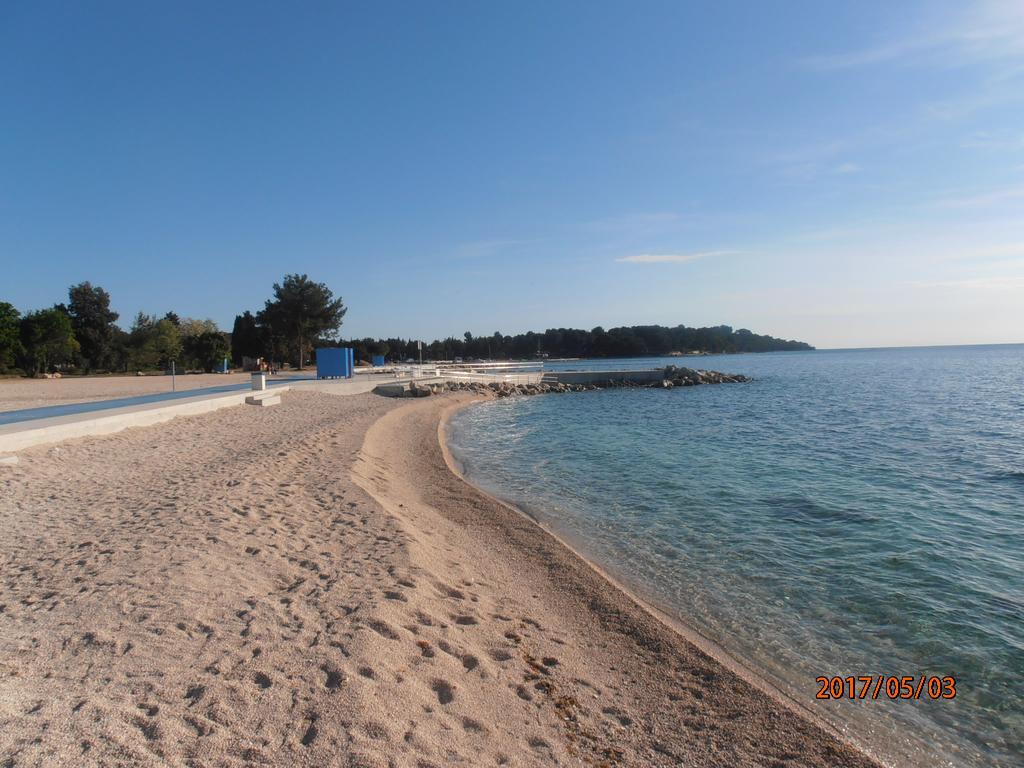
{"x": 806, "y": 511}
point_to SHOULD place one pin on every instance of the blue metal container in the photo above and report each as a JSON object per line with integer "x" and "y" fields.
{"x": 333, "y": 362}
{"x": 351, "y": 362}
{"x": 378, "y": 361}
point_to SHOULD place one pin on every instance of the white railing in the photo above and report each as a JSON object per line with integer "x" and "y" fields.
{"x": 508, "y": 373}
{"x": 533, "y": 377}
{"x": 525, "y": 365}
{"x": 403, "y": 371}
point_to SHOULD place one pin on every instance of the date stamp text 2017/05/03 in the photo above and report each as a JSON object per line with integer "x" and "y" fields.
{"x": 886, "y": 686}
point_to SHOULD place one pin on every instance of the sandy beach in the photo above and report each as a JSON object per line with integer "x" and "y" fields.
{"x": 311, "y": 584}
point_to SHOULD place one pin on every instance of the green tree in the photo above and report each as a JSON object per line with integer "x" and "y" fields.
{"x": 165, "y": 343}
{"x": 120, "y": 354}
{"x": 247, "y": 339}
{"x": 206, "y": 350}
{"x": 153, "y": 343}
{"x": 47, "y": 340}
{"x": 193, "y": 350}
{"x": 302, "y": 311}
{"x": 10, "y": 337}
{"x": 93, "y": 324}
{"x": 191, "y": 326}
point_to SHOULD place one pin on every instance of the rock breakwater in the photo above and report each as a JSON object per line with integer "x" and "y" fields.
{"x": 673, "y": 376}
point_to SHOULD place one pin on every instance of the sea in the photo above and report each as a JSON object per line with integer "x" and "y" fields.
{"x": 845, "y": 513}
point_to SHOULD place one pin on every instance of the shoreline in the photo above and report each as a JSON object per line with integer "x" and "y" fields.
{"x": 634, "y": 617}
{"x": 735, "y": 664}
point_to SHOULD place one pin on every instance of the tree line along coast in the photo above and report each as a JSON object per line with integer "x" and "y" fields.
{"x": 82, "y": 336}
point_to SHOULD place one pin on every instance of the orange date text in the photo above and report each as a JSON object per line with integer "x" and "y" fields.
{"x": 887, "y": 687}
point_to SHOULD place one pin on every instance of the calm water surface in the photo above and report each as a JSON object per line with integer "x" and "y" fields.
{"x": 846, "y": 513}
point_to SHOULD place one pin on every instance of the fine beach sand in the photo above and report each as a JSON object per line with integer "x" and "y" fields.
{"x": 311, "y": 585}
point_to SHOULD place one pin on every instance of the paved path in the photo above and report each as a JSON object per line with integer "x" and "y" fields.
{"x": 36, "y": 426}
{"x": 70, "y": 409}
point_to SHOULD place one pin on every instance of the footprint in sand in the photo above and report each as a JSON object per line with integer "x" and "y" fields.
{"x": 456, "y": 594}
{"x": 444, "y": 690}
{"x": 425, "y": 649}
{"x": 376, "y": 731}
{"x": 311, "y": 732}
{"x": 617, "y": 714}
{"x": 334, "y": 680}
{"x": 195, "y": 692}
{"x": 149, "y": 729}
{"x": 382, "y": 629}
{"x": 262, "y": 680}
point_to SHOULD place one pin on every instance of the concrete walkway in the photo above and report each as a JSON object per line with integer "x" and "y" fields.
{"x": 91, "y": 406}
{"x": 38, "y": 426}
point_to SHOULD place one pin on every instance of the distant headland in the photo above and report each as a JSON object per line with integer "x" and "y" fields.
{"x": 627, "y": 341}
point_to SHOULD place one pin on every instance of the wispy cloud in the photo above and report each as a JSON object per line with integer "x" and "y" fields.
{"x": 847, "y": 232}
{"x": 990, "y": 29}
{"x": 982, "y": 199}
{"x": 987, "y": 140}
{"x": 482, "y": 249}
{"x": 636, "y": 222}
{"x": 807, "y": 153}
{"x": 874, "y": 55}
{"x": 995, "y": 253}
{"x": 1000, "y": 283}
{"x": 809, "y": 161}
{"x": 999, "y": 86}
{"x": 671, "y": 258}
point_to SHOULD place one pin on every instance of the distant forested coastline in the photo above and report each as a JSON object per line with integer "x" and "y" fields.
{"x": 631, "y": 341}
{"x": 82, "y": 336}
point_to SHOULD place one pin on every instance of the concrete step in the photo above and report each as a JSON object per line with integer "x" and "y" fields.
{"x": 263, "y": 399}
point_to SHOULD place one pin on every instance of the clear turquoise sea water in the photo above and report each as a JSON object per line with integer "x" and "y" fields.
{"x": 846, "y": 513}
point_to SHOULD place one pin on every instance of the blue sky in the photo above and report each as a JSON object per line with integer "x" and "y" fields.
{"x": 849, "y": 174}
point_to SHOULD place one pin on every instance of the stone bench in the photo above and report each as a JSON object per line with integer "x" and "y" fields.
{"x": 263, "y": 398}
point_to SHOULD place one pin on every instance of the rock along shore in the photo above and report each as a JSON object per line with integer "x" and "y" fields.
{"x": 674, "y": 376}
